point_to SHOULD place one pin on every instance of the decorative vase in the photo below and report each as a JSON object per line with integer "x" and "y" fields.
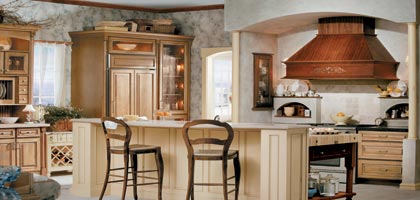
{"x": 280, "y": 90}
{"x": 8, "y": 174}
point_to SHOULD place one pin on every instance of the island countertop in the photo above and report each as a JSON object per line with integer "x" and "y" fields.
{"x": 180, "y": 124}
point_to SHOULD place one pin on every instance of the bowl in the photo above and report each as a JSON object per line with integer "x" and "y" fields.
{"x": 340, "y": 120}
{"x": 289, "y": 111}
{"x": 8, "y": 120}
{"x": 126, "y": 47}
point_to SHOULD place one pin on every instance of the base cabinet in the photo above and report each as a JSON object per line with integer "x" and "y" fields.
{"x": 380, "y": 155}
{"x": 23, "y": 147}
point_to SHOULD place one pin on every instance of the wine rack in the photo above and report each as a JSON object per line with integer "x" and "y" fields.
{"x": 59, "y": 151}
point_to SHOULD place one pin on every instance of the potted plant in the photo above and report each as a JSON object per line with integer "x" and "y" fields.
{"x": 59, "y": 117}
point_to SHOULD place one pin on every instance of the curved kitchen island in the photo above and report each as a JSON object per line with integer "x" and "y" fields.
{"x": 273, "y": 160}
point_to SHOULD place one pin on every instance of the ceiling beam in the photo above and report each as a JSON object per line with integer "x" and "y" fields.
{"x": 135, "y": 8}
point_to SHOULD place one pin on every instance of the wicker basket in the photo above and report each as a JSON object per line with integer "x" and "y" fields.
{"x": 154, "y": 26}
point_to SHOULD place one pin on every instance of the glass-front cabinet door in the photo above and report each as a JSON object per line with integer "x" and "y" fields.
{"x": 174, "y": 79}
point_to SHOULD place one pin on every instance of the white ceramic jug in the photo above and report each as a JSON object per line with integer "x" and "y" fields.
{"x": 280, "y": 90}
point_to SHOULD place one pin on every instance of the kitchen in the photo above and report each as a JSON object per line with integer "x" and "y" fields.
{"x": 355, "y": 93}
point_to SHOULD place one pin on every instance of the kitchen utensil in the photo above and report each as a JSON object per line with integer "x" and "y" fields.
{"x": 126, "y": 46}
{"x": 289, "y": 111}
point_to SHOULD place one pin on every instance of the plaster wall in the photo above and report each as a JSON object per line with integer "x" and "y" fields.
{"x": 253, "y": 43}
{"x": 239, "y": 14}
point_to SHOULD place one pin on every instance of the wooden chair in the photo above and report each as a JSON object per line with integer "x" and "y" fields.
{"x": 211, "y": 155}
{"x": 129, "y": 151}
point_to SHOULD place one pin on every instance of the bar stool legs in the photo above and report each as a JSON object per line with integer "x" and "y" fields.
{"x": 108, "y": 166}
{"x": 190, "y": 189}
{"x": 160, "y": 167}
{"x": 134, "y": 172}
{"x": 237, "y": 167}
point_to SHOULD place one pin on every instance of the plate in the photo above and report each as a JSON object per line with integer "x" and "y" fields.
{"x": 397, "y": 88}
{"x": 4, "y": 90}
{"x": 300, "y": 88}
{"x": 1, "y": 91}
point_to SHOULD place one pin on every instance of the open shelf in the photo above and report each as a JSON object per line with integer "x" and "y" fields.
{"x": 339, "y": 195}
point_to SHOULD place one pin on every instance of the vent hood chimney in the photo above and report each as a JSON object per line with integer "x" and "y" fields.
{"x": 345, "y": 48}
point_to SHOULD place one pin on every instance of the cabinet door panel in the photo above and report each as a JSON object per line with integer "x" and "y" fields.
{"x": 145, "y": 93}
{"x": 7, "y": 152}
{"x": 29, "y": 154}
{"x": 122, "y": 92}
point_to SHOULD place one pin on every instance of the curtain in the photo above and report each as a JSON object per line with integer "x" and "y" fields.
{"x": 52, "y": 61}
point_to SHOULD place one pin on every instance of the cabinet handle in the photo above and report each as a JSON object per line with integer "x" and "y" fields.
{"x": 383, "y": 151}
{"x": 1, "y": 70}
{"x": 383, "y": 136}
{"x": 7, "y": 70}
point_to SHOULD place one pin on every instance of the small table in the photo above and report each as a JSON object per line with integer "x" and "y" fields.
{"x": 31, "y": 186}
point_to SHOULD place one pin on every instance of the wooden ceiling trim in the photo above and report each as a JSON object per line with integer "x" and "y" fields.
{"x": 135, "y": 8}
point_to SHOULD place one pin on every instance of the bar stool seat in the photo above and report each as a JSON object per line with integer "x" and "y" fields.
{"x": 130, "y": 152}
{"x": 214, "y": 154}
{"x": 135, "y": 149}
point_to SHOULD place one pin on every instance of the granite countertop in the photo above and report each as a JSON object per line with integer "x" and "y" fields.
{"x": 180, "y": 124}
{"x": 384, "y": 128}
{"x": 23, "y": 125}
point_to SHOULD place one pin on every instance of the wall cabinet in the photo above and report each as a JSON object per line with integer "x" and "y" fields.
{"x": 23, "y": 147}
{"x": 380, "y": 155}
{"x": 132, "y": 73}
{"x": 16, "y": 61}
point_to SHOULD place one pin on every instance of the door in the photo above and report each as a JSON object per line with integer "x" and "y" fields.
{"x": 145, "y": 90}
{"x": 122, "y": 92}
{"x": 7, "y": 152}
{"x": 29, "y": 154}
{"x": 174, "y": 77}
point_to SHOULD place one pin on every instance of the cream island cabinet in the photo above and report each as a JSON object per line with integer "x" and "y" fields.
{"x": 273, "y": 160}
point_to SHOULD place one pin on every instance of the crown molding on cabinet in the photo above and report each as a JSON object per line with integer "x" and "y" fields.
{"x": 136, "y": 8}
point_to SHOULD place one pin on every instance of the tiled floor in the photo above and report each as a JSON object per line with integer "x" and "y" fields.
{"x": 364, "y": 191}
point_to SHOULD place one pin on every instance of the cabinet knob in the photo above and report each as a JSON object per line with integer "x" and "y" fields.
{"x": 344, "y": 151}
{"x": 322, "y": 153}
{"x": 1, "y": 70}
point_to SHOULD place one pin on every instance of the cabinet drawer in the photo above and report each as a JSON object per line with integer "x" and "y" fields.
{"x": 132, "y": 46}
{"x": 390, "y": 170}
{"x": 23, "y": 99}
{"x": 28, "y": 133}
{"x": 23, "y": 80}
{"x": 329, "y": 151}
{"x": 383, "y": 136}
{"x": 23, "y": 89}
{"x": 7, "y": 133}
{"x": 381, "y": 150}
{"x": 128, "y": 61}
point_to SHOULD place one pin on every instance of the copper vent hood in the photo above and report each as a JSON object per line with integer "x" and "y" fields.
{"x": 345, "y": 48}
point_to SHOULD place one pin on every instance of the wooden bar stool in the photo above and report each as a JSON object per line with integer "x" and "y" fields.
{"x": 211, "y": 155}
{"x": 110, "y": 124}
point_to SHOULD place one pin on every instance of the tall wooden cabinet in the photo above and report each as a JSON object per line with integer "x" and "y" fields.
{"x": 125, "y": 73}
{"x": 16, "y": 61}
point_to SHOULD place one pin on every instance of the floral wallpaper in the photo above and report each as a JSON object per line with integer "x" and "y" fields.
{"x": 206, "y": 26}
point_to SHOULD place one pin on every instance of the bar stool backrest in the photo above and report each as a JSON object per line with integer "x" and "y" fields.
{"x": 190, "y": 142}
{"x": 110, "y": 124}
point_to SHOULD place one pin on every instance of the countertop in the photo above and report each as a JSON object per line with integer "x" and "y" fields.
{"x": 23, "y": 125}
{"x": 384, "y": 128}
{"x": 180, "y": 124}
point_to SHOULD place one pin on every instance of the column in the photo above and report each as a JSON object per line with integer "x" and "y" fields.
{"x": 411, "y": 145}
{"x": 235, "y": 75}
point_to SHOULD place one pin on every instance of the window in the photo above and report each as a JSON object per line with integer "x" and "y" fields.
{"x": 50, "y": 81}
